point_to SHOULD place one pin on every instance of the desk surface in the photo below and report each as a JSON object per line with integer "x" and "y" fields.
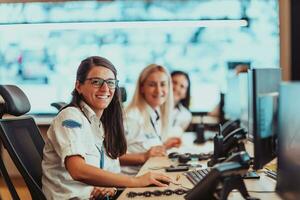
{"x": 262, "y": 188}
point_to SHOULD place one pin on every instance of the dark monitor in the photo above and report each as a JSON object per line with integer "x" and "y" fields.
{"x": 262, "y": 115}
{"x": 288, "y": 176}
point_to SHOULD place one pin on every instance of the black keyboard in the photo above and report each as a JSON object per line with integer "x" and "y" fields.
{"x": 197, "y": 175}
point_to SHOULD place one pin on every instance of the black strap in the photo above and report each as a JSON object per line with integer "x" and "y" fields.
{"x": 153, "y": 125}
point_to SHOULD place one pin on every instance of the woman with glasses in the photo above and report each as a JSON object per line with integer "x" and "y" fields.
{"x": 148, "y": 119}
{"x": 85, "y": 139}
{"x": 182, "y": 117}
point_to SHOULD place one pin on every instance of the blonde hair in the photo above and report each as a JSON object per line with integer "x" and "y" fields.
{"x": 138, "y": 101}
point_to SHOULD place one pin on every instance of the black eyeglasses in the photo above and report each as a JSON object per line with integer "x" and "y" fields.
{"x": 156, "y": 193}
{"x": 98, "y": 82}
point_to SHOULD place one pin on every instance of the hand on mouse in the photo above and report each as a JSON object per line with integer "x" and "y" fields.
{"x": 100, "y": 192}
{"x": 151, "y": 178}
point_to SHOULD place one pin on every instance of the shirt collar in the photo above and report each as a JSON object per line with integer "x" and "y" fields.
{"x": 179, "y": 106}
{"x": 88, "y": 112}
{"x": 153, "y": 113}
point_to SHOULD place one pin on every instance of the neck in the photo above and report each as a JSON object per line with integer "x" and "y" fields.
{"x": 99, "y": 113}
{"x": 155, "y": 108}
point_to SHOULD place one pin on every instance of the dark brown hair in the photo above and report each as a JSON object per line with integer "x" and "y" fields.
{"x": 186, "y": 101}
{"x": 112, "y": 117}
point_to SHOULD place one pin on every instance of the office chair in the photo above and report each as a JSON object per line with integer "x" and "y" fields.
{"x": 22, "y": 140}
{"x": 58, "y": 105}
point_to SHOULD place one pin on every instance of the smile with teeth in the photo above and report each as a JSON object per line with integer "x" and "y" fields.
{"x": 157, "y": 97}
{"x": 102, "y": 96}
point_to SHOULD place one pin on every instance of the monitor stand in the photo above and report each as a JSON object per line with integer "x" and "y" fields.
{"x": 251, "y": 175}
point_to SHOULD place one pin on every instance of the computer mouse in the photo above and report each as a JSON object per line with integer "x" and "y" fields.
{"x": 204, "y": 156}
{"x": 164, "y": 182}
{"x": 173, "y": 155}
{"x": 184, "y": 158}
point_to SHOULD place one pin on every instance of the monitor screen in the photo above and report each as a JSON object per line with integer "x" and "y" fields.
{"x": 288, "y": 176}
{"x": 263, "y": 113}
{"x": 42, "y": 44}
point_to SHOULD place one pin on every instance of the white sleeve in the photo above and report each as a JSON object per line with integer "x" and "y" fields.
{"x": 67, "y": 134}
{"x": 132, "y": 129}
{"x": 185, "y": 118}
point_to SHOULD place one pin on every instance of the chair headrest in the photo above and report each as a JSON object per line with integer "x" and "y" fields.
{"x": 59, "y": 105}
{"x": 15, "y": 101}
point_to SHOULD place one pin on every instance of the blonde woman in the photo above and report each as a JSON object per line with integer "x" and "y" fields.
{"x": 148, "y": 119}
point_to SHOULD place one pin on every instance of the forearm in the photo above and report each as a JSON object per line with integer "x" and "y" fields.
{"x": 133, "y": 159}
{"x": 95, "y": 176}
{"x": 80, "y": 171}
{"x": 83, "y": 172}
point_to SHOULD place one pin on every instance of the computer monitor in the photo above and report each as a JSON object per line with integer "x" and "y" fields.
{"x": 262, "y": 115}
{"x": 288, "y": 176}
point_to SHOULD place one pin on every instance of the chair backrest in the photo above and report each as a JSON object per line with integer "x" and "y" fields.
{"x": 22, "y": 139}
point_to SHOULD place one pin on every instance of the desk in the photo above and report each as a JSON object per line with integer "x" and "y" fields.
{"x": 254, "y": 187}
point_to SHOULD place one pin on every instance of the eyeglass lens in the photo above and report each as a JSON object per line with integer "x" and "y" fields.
{"x": 98, "y": 82}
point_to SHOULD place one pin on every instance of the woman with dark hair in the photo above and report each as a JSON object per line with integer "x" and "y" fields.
{"x": 86, "y": 138}
{"x": 182, "y": 117}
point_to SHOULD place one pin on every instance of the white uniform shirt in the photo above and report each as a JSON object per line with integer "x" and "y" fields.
{"x": 73, "y": 132}
{"x": 182, "y": 117}
{"x": 141, "y": 134}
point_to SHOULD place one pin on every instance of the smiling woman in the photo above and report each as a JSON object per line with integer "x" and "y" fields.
{"x": 148, "y": 118}
{"x": 182, "y": 117}
{"x": 86, "y": 138}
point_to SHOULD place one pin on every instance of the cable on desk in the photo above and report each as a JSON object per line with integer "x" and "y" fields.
{"x": 166, "y": 192}
{"x": 180, "y": 185}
